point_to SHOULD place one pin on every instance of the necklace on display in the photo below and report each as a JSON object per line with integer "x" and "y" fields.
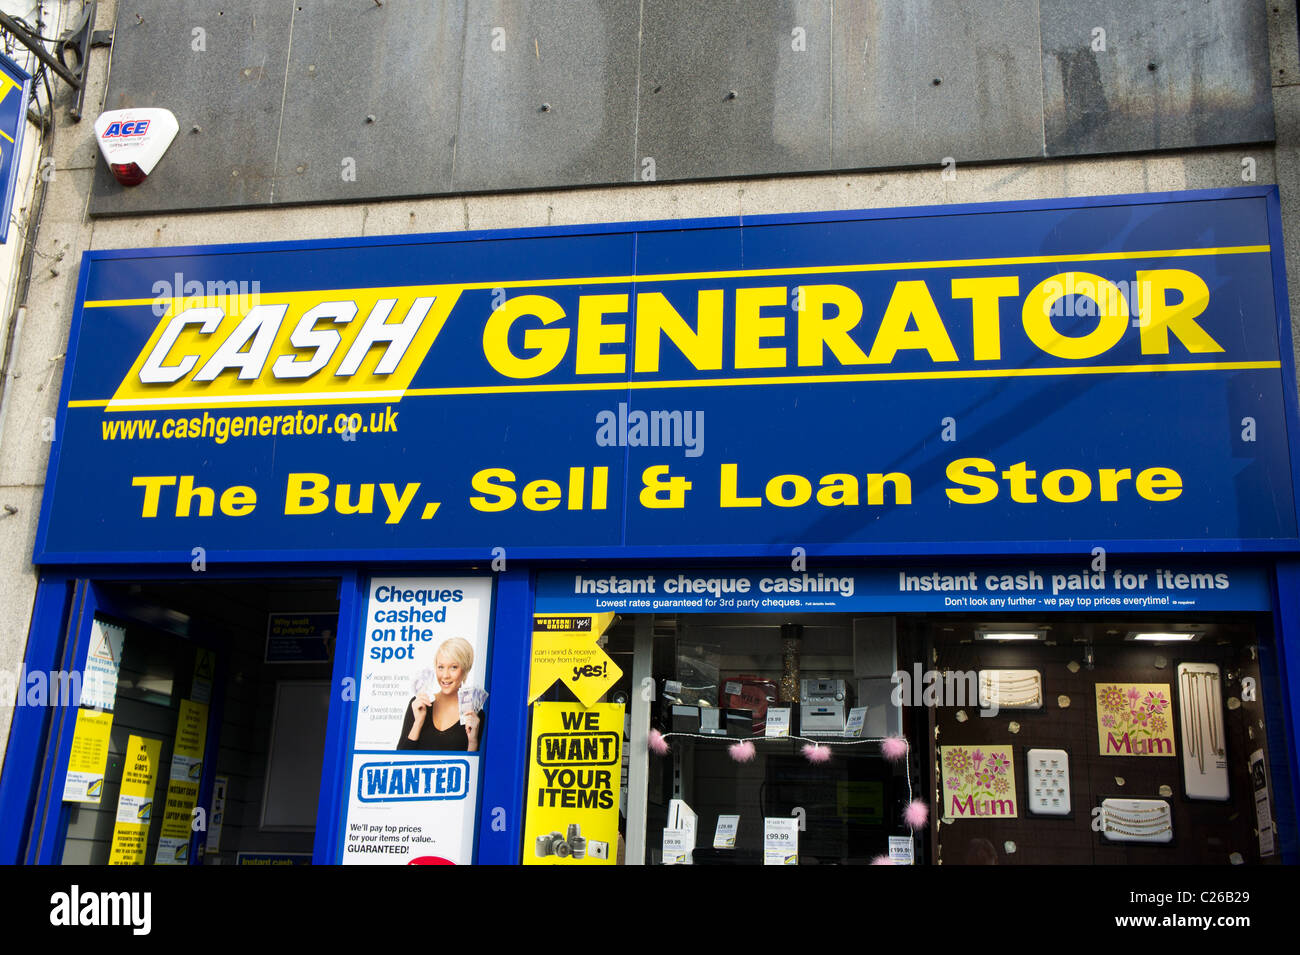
{"x": 1136, "y": 823}
{"x": 1200, "y": 715}
{"x": 1136, "y": 835}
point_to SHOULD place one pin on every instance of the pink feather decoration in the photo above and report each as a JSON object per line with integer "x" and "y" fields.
{"x": 894, "y": 748}
{"x": 883, "y": 860}
{"x": 816, "y": 754}
{"x": 742, "y": 752}
{"x": 657, "y": 743}
{"x": 916, "y": 814}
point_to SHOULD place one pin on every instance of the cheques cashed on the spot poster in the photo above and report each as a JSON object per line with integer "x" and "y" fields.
{"x": 422, "y": 715}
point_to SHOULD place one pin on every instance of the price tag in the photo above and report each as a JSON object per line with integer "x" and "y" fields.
{"x": 673, "y": 687}
{"x": 900, "y": 850}
{"x": 676, "y": 847}
{"x": 731, "y": 688}
{"x": 856, "y": 721}
{"x": 778, "y": 721}
{"x": 724, "y": 837}
{"x": 780, "y": 840}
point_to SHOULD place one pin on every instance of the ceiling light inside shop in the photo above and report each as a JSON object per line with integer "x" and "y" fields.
{"x": 1189, "y": 637}
{"x": 1010, "y": 634}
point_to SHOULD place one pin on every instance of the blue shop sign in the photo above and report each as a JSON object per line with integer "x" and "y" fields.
{"x": 1008, "y": 378}
{"x": 1123, "y": 587}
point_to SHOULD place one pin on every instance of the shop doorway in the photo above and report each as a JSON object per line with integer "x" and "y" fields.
{"x": 202, "y": 738}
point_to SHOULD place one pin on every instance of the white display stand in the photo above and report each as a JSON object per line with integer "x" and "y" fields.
{"x": 1200, "y": 709}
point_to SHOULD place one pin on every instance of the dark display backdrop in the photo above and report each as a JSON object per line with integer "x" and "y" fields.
{"x": 530, "y": 361}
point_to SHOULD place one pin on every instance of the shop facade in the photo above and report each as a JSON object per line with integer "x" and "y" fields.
{"x": 635, "y": 542}
{"x": 655, "y": 435}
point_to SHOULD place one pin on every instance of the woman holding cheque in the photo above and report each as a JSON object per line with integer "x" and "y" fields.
{"x": 444, "y": 714}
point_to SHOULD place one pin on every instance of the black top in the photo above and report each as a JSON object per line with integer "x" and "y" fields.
{"x": 453, "y": 738}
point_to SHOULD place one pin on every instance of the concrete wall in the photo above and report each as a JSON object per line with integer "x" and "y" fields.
{"x": 67, "y": 230}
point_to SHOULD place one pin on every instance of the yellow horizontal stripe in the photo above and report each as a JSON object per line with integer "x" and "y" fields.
{"x": 262, "y": 401}
{"x": 733, "y": 382}
{"x": 848, "y": 379}
{"x": 805, "y": 270}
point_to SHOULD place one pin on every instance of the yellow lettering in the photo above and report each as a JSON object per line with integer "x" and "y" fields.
{"x": 152, "y": 489}
{"x": 1159, "y": 484}
{"x": 911, "y": 299}
{"x": 238, "y": 500}
{"x": 306, "y": 493}
{"x": 502, "y": 497}
{"x": 752, "y": 326}
{"x": 549, "y": 344}
{"x": 986, "y": 489}
{"x": 701, "y": 346}
{"x": 541, "y": 495}
{"x": 1158, "y": 318}
{"x": 1081, "y": 483}
{"x": 876, "y": 487}
{"x": 727, "y": 480}
{"x": 186, "y": 492}
{"x": 816, "y": 330}
{"x": 985, "y": 296}
{"x": 838, "y": 490}
{"x": 592, "y": 333}
{"x": 1112, "y": 315}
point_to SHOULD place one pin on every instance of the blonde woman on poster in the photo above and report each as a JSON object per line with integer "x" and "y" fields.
{"x": 445, "y": 714}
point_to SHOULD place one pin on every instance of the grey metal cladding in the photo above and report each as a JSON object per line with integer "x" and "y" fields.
{"x": 371, "y": 100}
{"x": 695, "y": 56}
{"x": 1173, "y": 73}
{"x": 548, "y": 94}
{"x": 231, "y": 88}
{"x": 303, "y": 101}
{"x": 889, "y": 110}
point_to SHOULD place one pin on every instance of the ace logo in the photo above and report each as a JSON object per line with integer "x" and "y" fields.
{"x": 137, "y": 128}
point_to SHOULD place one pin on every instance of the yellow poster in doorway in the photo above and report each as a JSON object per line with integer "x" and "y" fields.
{"x": 135, "y": 801}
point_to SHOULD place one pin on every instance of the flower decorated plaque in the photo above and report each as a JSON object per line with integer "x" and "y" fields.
{"x": 978, "y": 782}
{"x": 1133, "y": 719}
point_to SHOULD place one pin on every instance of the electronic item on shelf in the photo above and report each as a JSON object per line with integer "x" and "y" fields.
{"x": 751, "y": 693}
{"x": 824, "y": 706}
{"x": 1200, "y": 708}
{"x": 1137, "y": 820}
{"x": 685, "y": 719}
{"x": 1011, "y": 689}
{"x": 1048, "y": 782}
{"x": 711, "y": 721}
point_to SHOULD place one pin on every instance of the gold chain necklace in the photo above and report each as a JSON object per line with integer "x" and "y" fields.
{"x": 1200, "y": 715}
{"x": 1137, "y": 835}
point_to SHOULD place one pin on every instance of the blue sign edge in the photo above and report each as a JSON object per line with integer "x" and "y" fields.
{"x": 1270, "y": 193}
{"x": 11, "y": 181}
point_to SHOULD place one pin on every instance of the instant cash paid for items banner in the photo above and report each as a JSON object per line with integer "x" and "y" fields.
{"x": 983, "y": 379}
{"x": 422, "y": 714}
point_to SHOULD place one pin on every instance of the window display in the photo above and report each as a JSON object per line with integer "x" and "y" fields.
{"x": 755, "y": 720}
{"x": 861, "y": 737}
{"x": 1200, "y": 708}
{"x": 1137, "y": 820}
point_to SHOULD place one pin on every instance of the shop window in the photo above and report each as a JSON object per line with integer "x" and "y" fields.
{"x": 224, "y": 687}
{"x": 772, "y": 718}
{"x": 1124, "y": 751}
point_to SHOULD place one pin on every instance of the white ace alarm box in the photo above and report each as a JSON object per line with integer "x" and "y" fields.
{"x": 133, "y": 140}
